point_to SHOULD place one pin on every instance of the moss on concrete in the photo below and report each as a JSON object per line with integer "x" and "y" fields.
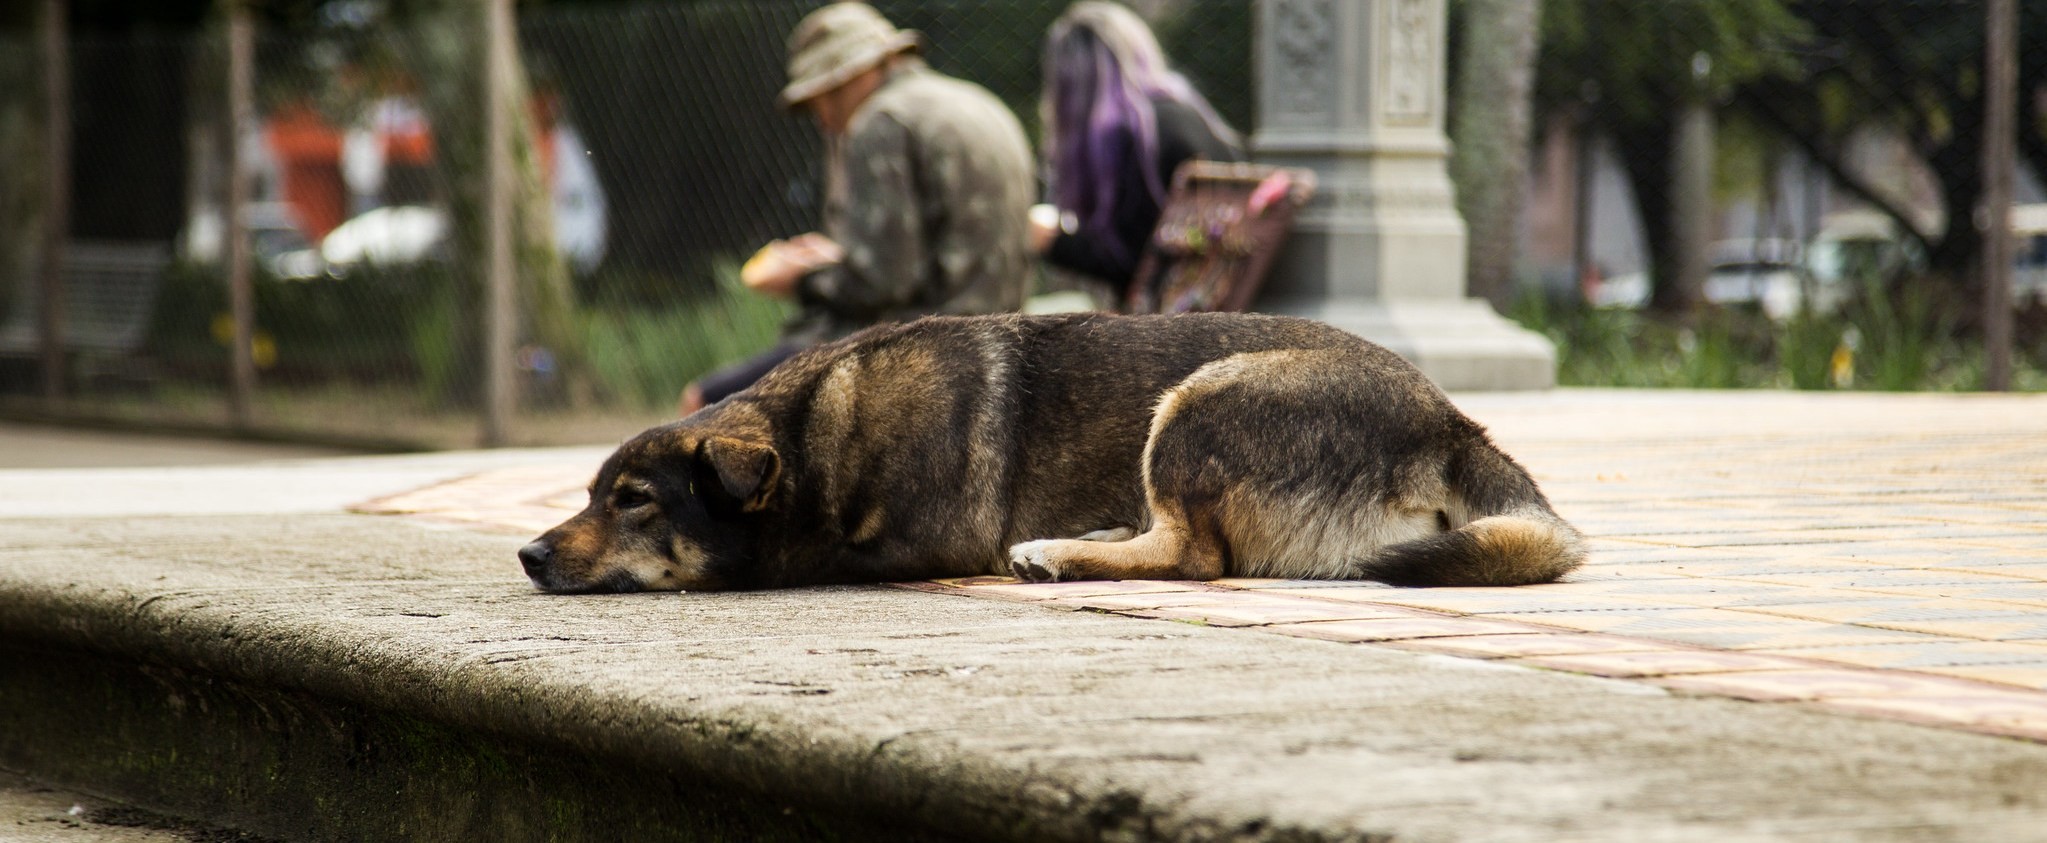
{"x": 295, "y": 766}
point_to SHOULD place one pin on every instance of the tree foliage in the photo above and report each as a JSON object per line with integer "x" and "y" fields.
{"x": 1814, "y": 74}
{"x": 1913, "y": 70}
{"x": 1627, "y": 69}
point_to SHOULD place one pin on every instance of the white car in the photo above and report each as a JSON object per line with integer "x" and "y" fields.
{"x": 1768, "y": 274}
{"x": 392, "y": 236}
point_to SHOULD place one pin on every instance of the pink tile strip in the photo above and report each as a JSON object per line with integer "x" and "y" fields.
{"x": 1663, "y": 663}
{"x": 2016, "y": 714}
{"x": 1822, "y": 683}
{"x": 1510, "y": 645}
{"x": 1252, "y": 612}
{"x": 1008, "y": 587}
{"x": 1395, "y": 629}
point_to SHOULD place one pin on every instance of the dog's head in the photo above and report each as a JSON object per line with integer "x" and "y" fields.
{"x": 674, "y": 508}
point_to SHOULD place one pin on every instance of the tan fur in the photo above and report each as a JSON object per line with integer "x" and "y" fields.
{"x": 1161, "y": 553}
{"x": 1269, "y": 533}
{"x": 1271, "y": 536}
{"x": 1506, "y": 542}
{"x": 837, "y": 405}
{"x": 635, "y": 552}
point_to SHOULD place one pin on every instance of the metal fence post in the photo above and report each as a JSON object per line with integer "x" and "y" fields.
{"x": 241, "y": 301}
{"x": 56, "y": 200}
{"x": 2000, "y": 102}
{"x": 500, "y": 315}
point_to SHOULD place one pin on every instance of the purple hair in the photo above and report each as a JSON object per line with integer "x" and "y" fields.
{"x": 1103, "y": 68}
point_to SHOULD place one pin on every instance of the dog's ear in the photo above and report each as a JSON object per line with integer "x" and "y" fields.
{"x": 748, "y": 470}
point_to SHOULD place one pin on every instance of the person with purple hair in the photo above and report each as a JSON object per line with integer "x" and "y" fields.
{"x": 1118, "y": 121}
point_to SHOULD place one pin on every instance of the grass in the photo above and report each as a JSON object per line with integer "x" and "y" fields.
{"x": 1909, "y": 340}
{"x": 643, "y": 357}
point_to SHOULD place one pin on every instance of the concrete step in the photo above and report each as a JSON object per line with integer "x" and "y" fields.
{"x": 346, "y": 677}
{"x": 221, "y": 644}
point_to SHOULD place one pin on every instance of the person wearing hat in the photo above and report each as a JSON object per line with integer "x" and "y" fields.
{"x": 928, "y": 185}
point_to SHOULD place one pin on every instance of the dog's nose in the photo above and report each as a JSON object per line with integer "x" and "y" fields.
{"x": 535, "y": 556}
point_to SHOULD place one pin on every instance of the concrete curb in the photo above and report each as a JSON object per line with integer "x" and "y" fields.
{"x": 416, "y": 690}
{"x": 290, "y": 702}
{"x": 133, "y": 643}
{"x": 223, "y": 644}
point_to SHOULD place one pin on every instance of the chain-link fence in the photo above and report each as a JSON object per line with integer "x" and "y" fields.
{"x": 1810, "y": 140}
{"x": 656, "y": 138}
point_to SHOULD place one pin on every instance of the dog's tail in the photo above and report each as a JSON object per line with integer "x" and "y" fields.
{"x": 1513, "y": 537}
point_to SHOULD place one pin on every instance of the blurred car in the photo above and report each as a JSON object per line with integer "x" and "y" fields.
{"x": 1854, "y": 247}
{"x": 274, "y": 237}
{"x": 390, "y": 236}
{"x": 393, "y": 236}
{"x": 1628, "y": 291}
{"x": 397, "y": 235}
{"x": 1765, "y": 273}
{"x": 2028, "y": 255}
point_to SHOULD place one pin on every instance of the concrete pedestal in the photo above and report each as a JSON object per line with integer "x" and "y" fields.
{"x": 1353, "y": 90}
{"x": 1461, "y": 345}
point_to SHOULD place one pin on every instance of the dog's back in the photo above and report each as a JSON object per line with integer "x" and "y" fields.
{"x": 1306, "y": 451}
{"x": 1212, "y": 444}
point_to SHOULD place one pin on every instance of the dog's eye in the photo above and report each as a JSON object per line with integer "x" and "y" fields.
{"x": 630, "y": 498}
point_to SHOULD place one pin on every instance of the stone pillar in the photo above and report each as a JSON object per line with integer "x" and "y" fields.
{"x": 1354, "y": 90}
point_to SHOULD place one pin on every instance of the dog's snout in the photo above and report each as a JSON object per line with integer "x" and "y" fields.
{"x": 535, "y": 556}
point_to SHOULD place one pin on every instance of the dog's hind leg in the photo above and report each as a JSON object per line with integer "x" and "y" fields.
{"x": 1168, "y": 551}
{"x": 1184, "y": 540}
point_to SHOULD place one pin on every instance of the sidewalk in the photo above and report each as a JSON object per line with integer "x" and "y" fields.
{"x": 1806, "y": 617}
{"x": 25, "y": 445}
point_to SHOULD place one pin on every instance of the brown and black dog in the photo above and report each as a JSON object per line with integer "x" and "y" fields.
{"x": 1062, "y": 448}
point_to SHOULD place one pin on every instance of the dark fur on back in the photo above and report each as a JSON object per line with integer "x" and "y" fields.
{"x": 939, "y": 447}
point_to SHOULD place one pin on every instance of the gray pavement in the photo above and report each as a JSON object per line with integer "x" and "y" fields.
{"x": 325, "y": 651}
{"x": 48, "y": 446}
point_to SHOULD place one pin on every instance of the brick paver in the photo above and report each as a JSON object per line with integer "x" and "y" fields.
{"x": 1881, "y": 555}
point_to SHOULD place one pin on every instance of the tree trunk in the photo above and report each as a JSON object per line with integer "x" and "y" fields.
{"x": 1490, "y": 128}
{"x": 444, "y": 49}
{"x": 2000, "y": 101}
{"x": 56, "y": 216}
{"x": 21, "y": 152}
{"x": 1691, "y": 211}
{"x": 1648, "y": 161}
{"x": 1958, "y": 166}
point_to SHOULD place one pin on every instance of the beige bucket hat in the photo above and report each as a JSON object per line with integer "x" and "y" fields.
{"x": 835, "y": 44}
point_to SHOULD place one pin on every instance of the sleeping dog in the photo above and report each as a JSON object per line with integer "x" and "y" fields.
{"x": 1063, "y": 448}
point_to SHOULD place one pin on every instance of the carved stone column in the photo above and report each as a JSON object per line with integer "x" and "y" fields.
{"x": 1353, "y": 90}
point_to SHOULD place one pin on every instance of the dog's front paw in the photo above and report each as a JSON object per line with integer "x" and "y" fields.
{"x": 1033, "y": 562}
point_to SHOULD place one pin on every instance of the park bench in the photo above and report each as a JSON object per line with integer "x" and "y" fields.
{"x": 1222, "y": 226}
{"x": 110, "y": 289}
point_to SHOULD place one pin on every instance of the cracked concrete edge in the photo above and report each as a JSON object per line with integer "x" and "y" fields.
{"x": 930, "y": 785}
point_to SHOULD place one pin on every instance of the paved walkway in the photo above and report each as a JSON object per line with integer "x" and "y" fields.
{"x": 24, "y": 445}
{"x": 1876, "y": 555}
{"x": 1791, "y": 585}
